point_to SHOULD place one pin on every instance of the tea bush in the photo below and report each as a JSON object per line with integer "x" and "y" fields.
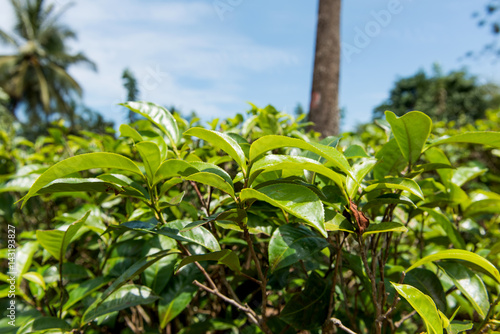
{"x": 253, "y": 225}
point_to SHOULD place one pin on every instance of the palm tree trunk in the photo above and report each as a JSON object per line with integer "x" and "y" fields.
{"x": 324, "y": 109}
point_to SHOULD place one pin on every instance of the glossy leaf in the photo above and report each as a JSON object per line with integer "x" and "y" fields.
{"x": 35, "y": 278}
{"x": 214, "y": 169}
{"x": 129, "y": 132}
{"x": 56, "y": 241}
{"x": 463, "y": 175}
{"x": 471, "y": 286}
{"x": 288, "y": 163}
{"x": 308, "y": 309}
{"x": 222, "y": 141}
{"x": 424, "y": 306}
{"x": 272, "y": 142}
{"x": 428, "y": 282}
{"x": 385, "y": 227}
{"x": 133, "y": 271}
{"x": 391, "y": 160}
{"x": 132, "y": 188}
{"x": 294, "y": 199}
{"x": 489, "y": 138}
{"x": 397, "y": 183}
{"x": 411, "y": 132}
{"x": 339, "y": 223}
{"x": 225, "y": 257}
{"x": 481, "y": 207}
{"x": 212, "y": 180}
{"x": 179, "y": 293}
{"x": 198, "y": 235}
{"x": 448, "y": 227}
{"x": 160, "y": 116}
{"x": 290, "y": 244}
{"x": 43, "y": 324}
{"x": 125, "y": 297}
{"x": 459, "y": 254}
{"x": 79, "y": 184}
{"x": 84, "y": 289}
{"x": 151, "y": 157}
{"x": 355, "y": 151}
{"x": 79, "y": 163}
{"x": 436, "y": 155}
{"x": 359, "y": 170}
{"x": 172, "y": 168}
{"x": 385, "y": 199}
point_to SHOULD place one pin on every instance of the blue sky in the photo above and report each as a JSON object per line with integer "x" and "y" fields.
{"x": 214, "y": 56}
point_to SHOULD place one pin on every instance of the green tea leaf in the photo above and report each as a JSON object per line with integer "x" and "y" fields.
{"x": 172, "y": 168}
{"x": 355, "y": 151}
{"x": 56, "y": 241}
{"x": 198, "y": 235}
{"x": 428, "y": 282}
{"x": 397, "y": 183}
{"x": 79, "y": 184}
{"x": 308, "y": 309}
{"x": 481, "y": 207}
{"x": 471, "y": 286}
{"x": 448, "y": 227}
{"x": 424, "y": 306}
{"x": 339, "y": 223}
{"x": 79, "y": 163}
{"x": 178, "y": 294}
{"x": 212, "y": 180}
{"x": 225, "y": 257}
{"x": 459, "y": 254}
{"x": 125, "y": 297}
{"x": 160, "y": 116}
{"x": 84, "y": 289}
{"x": 290, "y": 163}
{"x": 359, "y": 170}
{"x": 391, "y": 160}
{"x": 151, "y": 156}
{"x": 222, "y": 141}
{"x": 488, "y": 138}
{"x": 272, "y": 142}
{"x": 385, "y": 227}
{"x": 43, "y": 324}
{"x": 129, "y": 132}
{"x": 384, "y": 199}
{"x": 294, "y": 199}
{"x": 462, "y": 175}
{"x": 411, "y": 132}
{"x": 290, "y": 244}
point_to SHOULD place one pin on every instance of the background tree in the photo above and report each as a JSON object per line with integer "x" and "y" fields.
{"x": 130, "y": 84}
{"x": 489, "y": 17}
{"x": 36, "y": 76}
{"x": 324, "y": 111}
{"x": 457, "y": 96}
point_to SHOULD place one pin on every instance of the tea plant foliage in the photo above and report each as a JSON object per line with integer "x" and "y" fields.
{"x": 235, "y": 228}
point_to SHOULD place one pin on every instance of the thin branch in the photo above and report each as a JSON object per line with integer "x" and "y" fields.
{"x": 250, "y": 313}
{"x": 403, "y": 319}
{"x": 339, "y": 324}
{"x": 262, "y": 277}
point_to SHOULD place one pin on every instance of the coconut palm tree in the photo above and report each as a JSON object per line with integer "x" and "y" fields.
{"x": 35, "y": 75}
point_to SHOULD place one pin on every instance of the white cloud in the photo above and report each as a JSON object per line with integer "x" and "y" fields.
{"x": 177, "y": 51}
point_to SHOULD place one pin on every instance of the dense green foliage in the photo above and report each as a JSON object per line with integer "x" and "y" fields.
{"x": 253, "y": 225}
{"x": 456, "y": 96}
